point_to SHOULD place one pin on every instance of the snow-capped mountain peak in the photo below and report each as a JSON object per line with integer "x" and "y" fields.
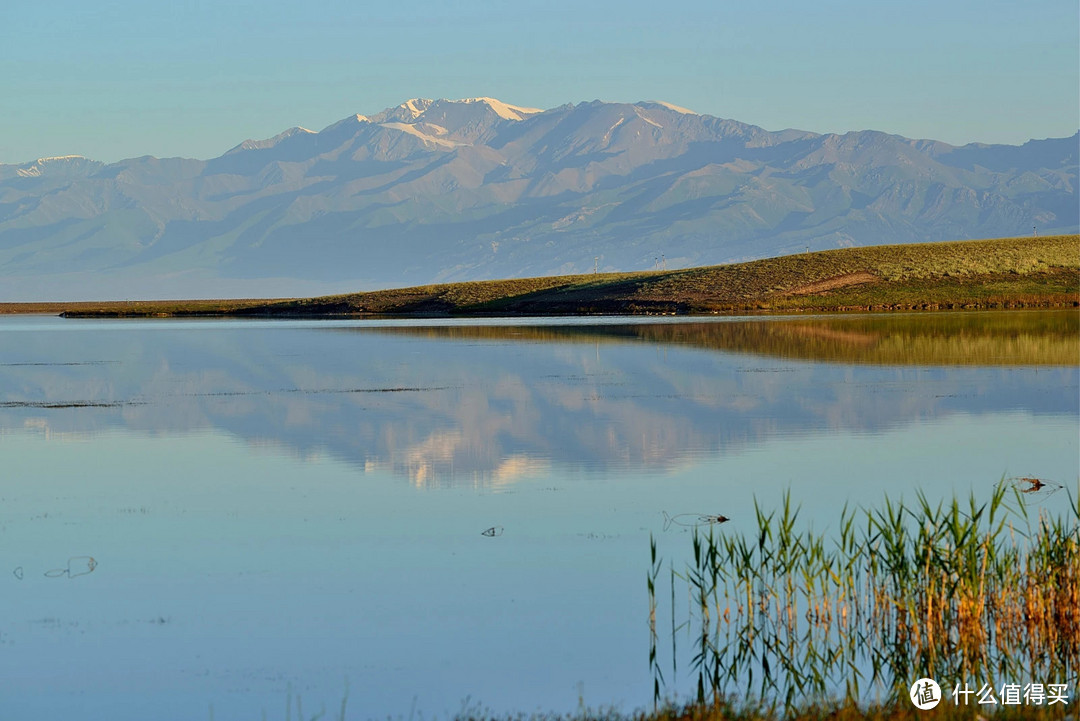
{"x": 416, "y": 109}
{"x": 436, "y": 190}
{"x": 407, "y": 112}
{"x": 669, "y": 106}
{"x": 63, "y": 164}
{"x": 504, "y": 110}
{"x": 449, "y": 123}
{"x": 417, "y": 106}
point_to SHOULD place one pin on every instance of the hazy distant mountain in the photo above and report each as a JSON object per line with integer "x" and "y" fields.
{"x": 451, "y": 190}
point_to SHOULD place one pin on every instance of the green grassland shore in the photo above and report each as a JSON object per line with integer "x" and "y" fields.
{"x": 1035, "y": 272}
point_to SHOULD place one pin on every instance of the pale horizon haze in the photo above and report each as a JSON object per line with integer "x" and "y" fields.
{"x": 118, "y": 78}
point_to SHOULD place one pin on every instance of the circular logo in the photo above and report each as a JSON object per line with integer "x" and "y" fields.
{"x": 925, "y": 694}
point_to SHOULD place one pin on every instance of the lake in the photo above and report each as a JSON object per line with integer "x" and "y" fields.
{"x": 220, "y": 519}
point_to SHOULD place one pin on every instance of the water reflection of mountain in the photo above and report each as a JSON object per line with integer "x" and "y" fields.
{"x": 485, "y": 405}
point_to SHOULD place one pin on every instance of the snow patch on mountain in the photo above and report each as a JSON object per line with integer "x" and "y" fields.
{"x": 62, "y": 163}
{"x": 504, "y": 110}
{"x": 637, "y": 112}
{"x": 416, "y": 106}
{"x": 416, "y": 109}
{"x": 407, "y": 112}
{"x": 413, "y": 129}
{"x": 676, "y": 108}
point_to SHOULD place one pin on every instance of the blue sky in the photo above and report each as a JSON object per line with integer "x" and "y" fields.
{"x": 111, "y": 79}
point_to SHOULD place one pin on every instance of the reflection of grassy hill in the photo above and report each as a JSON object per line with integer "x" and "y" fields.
{"x": 955, "y": 339}
{"x": 1016, "y": 338}
{"x": 1009, "y": 272}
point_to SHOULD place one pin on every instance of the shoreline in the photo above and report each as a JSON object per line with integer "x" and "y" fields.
{"x": 147, "y": 310}
{"x": 1006, "y": 273}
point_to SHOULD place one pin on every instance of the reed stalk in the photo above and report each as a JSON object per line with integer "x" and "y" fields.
{"x": 973, "y": 591}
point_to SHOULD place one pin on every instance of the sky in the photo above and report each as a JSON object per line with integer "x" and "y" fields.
{"x": 112, "y": 79}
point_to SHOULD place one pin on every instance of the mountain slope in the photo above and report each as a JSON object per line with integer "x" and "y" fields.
{"x": 437, "y": 190}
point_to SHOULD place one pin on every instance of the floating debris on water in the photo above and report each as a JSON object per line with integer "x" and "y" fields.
{"x": 69, "y": 404}
{"x": 493, "y": 531}
{"x": 693, "y": 520}
{"x": 78, "y": 363}
{"x": 76, "y": 566}
{"x": 394, "y": 389}
{"x": 18, "y": 572}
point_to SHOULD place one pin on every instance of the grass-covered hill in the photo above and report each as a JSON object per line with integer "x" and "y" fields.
{"x": 998, "y": 273}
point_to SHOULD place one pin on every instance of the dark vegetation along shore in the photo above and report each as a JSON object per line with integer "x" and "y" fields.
{"x": 999, "y": 273}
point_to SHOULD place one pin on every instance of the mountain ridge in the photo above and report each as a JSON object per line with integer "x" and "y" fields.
{"x": 439, "y": 190}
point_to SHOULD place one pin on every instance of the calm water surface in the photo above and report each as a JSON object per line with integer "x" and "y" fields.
{"x": 295, "y": 510}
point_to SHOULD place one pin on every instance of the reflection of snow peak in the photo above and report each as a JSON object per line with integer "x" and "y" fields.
{"x": 441, "y": 456}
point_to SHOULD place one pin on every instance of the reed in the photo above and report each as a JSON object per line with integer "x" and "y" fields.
{"x": 965, "y": 591}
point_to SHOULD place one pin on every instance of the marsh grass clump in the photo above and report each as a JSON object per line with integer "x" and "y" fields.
{"x": 974, "y": 591}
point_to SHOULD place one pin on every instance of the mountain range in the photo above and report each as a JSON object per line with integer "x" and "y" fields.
{"x": 447, "y": 190}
